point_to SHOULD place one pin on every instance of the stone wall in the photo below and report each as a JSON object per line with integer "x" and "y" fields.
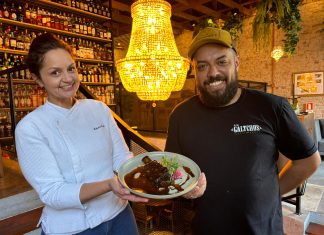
{"x": 255, "y": 65}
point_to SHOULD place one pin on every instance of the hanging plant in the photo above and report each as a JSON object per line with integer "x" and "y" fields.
{"x": 268, "y": 11}
{"x": 233, "y": 24}
{"x": 286, "y": 16}
{"x": 203, "y": 23}
{"x": 291, "y": 26}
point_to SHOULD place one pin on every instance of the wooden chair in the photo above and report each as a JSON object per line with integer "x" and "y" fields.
{"x": 168, "y": 213}
{"x": 141, "y": 214}
{"x": 293, "y": 198}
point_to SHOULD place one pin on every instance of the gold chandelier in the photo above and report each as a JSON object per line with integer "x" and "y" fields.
{"x": 153, "y": 67}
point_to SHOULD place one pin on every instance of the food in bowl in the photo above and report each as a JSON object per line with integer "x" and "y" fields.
{"x": 159, "y": 178}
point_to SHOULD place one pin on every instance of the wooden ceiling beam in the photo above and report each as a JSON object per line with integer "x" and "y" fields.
{"x": 120, "y": 6}
{"x": 184, "y": 2}
{"x": 121, "y": 18}
{"x": 233, "y": 4}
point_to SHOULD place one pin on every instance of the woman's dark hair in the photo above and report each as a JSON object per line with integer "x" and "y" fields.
{"x": 39, "y": 47}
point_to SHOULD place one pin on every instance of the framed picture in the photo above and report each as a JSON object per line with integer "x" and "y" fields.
{"x": 309, "y": 83}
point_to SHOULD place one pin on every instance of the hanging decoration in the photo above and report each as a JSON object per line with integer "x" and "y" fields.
{"x": 153, "y": 67}
{"x": 277, "y": 53}
{"x": 282, "y": 13}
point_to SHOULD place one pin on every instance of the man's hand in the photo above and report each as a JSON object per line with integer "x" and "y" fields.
{"x": 199, "y": 189}
{"x": 124, "y": 193}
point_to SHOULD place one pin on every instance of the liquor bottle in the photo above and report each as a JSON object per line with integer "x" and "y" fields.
{"x": 99, "y": 76}
{"x": 81, "y": 5}
{"x": 1, "y": 38}
{"x": 57, "y": 21}
{"x": 39, "y": 16}
{"x": 1, "y": 11}
{"x": 22, "y": 72}
{"x": 85, "y": 26}
{"x": 65, "y": 22}
{"x": 69, "y": 3}
{"x": 20, "y": 43}
{"x": 73, "y": 3}
{"x": 90, "y": 6}
{"x": 77, "y": 4}
{"x": 76, "y": 26}
{"x": 61, "y": 18}
{"x": 33, "y": 15}
{"x": 89, "y": 25}
{"x": 27, "y": 40}
{"x": 85, "y": 5}
{"x": 81, "y": 25}
{"x": 99, "y": 9}
{"x": 103, "y": 10}
{"x": 13, "y": 12}
{"x": 27, "y": 14}
{"x": 95, "y": 8}
{"x": 5, "y": 11}
{"x": 6, "y": 38}
{"x": 20, "y": 13}
{"x": 53, "y": 20}
{"x": 44, "y": 17}
{"x": 13, "y": 41}
{"x": 84, "y": 73}
{"x": 79, "y": 71}
{"x": 70, "y": 23}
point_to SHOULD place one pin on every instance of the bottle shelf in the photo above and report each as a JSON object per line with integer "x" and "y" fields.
{"x": 57, "y": 31}
{"x": 20, "y": 52}
{"x": 24, "y": 109}
{"x": 59, "y": 6}
{"x": 6, "y": 140}
{"x": 98, "y": 84}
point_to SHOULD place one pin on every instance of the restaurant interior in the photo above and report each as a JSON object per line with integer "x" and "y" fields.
{"x": 283, "y": 57}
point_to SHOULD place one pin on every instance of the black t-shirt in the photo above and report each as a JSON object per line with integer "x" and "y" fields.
{"x": 237, "y": 148}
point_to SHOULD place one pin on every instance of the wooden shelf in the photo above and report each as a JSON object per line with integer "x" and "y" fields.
{"x": 23, "y": 81}
{"x": 59, "y": 6}
{"x": 98, "y": 84}
{"x": 6, "y": 140}
{"x": 20, "y": 52}
{"x": 95, "y": 61}
{"x": 24, "y": 109}
{"x": 57, "y": 31}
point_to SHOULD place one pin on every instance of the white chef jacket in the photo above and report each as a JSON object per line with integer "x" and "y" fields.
{"x": 59, "y": 150}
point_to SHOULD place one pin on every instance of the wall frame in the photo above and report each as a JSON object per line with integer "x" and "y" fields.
{"x": 308, "y": 83}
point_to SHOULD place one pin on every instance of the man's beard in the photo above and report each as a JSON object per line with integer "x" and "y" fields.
{"x": 218, "y": 98}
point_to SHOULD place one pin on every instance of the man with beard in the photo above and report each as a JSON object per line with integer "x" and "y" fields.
{"x": 235, "y": 136}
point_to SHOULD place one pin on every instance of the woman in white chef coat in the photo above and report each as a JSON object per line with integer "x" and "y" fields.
{"x": 68, "y": 149}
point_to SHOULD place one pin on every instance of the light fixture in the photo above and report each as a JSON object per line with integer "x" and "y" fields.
{"x": 153, "y": 67}
{"x": 277, "y": 53}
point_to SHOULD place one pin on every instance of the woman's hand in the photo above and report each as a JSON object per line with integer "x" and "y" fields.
{"x": 199, "y": 189}
{"x": 124, "y": 193}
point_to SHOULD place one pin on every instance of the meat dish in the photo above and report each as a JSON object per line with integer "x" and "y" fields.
{"x": 154, "y": 178}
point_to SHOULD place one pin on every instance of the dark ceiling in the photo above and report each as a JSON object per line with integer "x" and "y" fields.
{"x": 184, "y": 12}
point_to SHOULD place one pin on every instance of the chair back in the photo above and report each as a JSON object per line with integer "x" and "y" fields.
{"x": 140, "y": 211}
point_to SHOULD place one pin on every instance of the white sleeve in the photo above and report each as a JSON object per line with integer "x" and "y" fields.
{"x": 40, "y": 168}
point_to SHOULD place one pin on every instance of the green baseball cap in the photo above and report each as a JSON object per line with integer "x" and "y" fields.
{"x": 210, "y": 35}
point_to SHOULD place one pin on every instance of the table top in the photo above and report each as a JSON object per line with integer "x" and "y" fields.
{"x": 154, "y": 202}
